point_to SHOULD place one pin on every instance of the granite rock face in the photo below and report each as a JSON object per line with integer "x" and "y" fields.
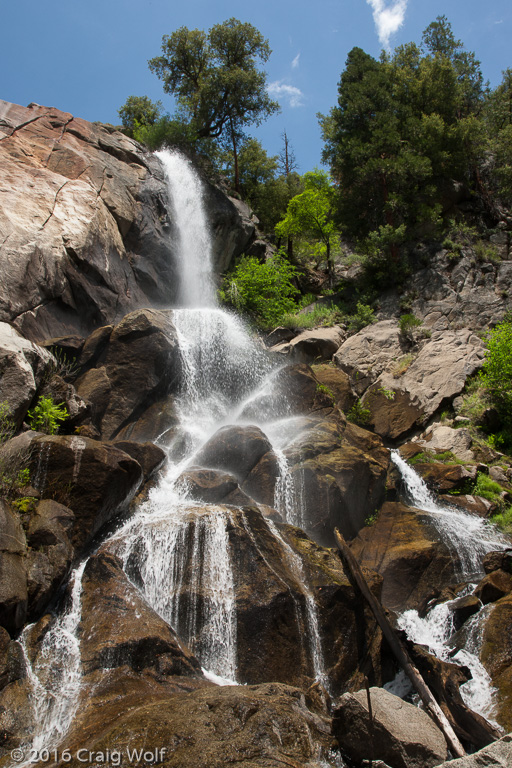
{"x": 87, "y": 236}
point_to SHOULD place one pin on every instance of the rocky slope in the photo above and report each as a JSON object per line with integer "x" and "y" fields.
{"x": 86, "y": 209}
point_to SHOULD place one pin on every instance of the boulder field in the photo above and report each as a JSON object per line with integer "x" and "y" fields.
{"x": 90, "y": 271}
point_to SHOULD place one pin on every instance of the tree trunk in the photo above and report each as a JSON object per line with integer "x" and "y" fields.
{"x": 431, "y": 705}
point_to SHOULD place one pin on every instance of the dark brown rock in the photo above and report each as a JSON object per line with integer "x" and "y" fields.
{"x": 446, "y": 477}
{"x": 405, "y": 549}
{"x": 208, "y": 485}
{"x": 494, "y": 561}
{"x": 234, "y": 449}
{"x": 494, "y": 586}
{"x": 338, "y": 383}
{"x": 94, "y": 479}
{"x": 148, "y": 455}
{"x": 463, "y": 608}
{"x": 496, "y": 656}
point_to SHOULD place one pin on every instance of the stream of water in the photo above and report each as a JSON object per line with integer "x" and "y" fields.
{"x": 469, "y": 538}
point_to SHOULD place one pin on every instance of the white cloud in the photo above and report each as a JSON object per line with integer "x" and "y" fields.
{"x": 295, "y": 62}
{"x": 280, "y": 90}
{"x": 388, "y": 19}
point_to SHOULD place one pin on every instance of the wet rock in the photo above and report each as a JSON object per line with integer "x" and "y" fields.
{"x": 109, "y": 635}
{"x": 93, "y": 479}
{"x": 497, "y": 755}
{"x": 279, "y": 336}
{"x": 494, "y": 561}
{"x": 259, "y": 726}
{"x": 401, "y": 735}
{"x": 261, "y": 482}
{"x": 22, "y": 367}
{"x": 292, "y": 391}
{"x": 496, "y": 656}
{"x": 13, "y": 574}
{"x": 494, "y": 586}
{"x": 463, "y": 608}
{"x": 339, "y": 474}
{"x": 234, "y": 449}
{"x": 139, "y": 365}
{"x": 312, "y": 346}
{"x": 446, "y": 477}
{"x": 208, "y": 485}
{"x": 407, "y": 552}
{"x": 148, "y": 455}
{"x": 474, "y": 504}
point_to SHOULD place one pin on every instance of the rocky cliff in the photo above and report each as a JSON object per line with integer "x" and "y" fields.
{"x": 86, "y": 226}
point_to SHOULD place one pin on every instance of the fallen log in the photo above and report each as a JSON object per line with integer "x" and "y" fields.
{"x": 431, "y": 705}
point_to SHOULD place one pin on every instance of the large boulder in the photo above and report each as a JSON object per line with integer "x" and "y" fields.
{"x": 407, "y": 552}
{"x": 136, "y": 365}
{"x": 312, "y": 346}
{"x": 96, "y": 480}
{"x": 22, "y": 367}
{"x": 439, "y": 438}
{"x": 234, "y": 449}
{"x": 398, "y": 733}
{"x": 84, "y": 211}
{"x": 496, "y": 656}
{"x": 404, "y": 387}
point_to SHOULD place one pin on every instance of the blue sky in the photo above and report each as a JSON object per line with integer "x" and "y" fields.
{"x": 87, "y": 57}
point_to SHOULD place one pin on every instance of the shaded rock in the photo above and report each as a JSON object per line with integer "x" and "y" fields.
{"x": 313, "y": 345}
{"x": 497, "y": 755}
{"x": 496, "y": 656}
{"x": 22, "y": 367}
{"x": 94, "y": 479}
{"x": 148, "y": 455}
{"x": 13, "y": 574}
{"x": 494, "y": 586}
{"x": 463, "y": 608}
{"x": 339, "y": 474}
{"x": 402, "y": 735}
{"x": 406, "y": 551}
{"x": 67, "y": 347}
{"x": 261, "y": 482}
{"x": 109, "y": 635}
{"x": 291, "y": 391}
{"x": 494, "y": 561}
{"x": 234, "y": 449}
{"x": 94, "y": 346}
{"x": 62, "y": 391}
{"x": 49, "y": 559}
{"x": 139, "y": 365}
{"x": 279, "y": 336}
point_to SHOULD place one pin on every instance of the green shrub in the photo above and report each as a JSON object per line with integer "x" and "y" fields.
{"x": 47, "y": 416}
{"x": 496, "y": 373}
{"x": 358, "y": 414}
{"x": 264, "y": 290}
{"x": 363, "y": 316}
{"x": 407, "y": 323}
{"x": 487, "y": 488}
{"x": 320, "y": 315}
{"x": 504, "y": 520}
{"x": 7, "y": 424}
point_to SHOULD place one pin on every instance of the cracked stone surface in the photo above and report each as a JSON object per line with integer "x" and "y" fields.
{"x": 85, "y": 230}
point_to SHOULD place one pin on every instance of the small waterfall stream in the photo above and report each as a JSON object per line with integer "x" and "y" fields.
{"x": 469, "y": 538}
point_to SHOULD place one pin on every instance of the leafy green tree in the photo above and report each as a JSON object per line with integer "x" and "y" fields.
{"x": 139, "y": 111}
{"x": 310, "y": 214}
{"x": 216, "y": 80}
{"x": 47, "y": 416}
{"x": 263, "y": 290}
{"x": 498, "y": 118}
{"x": 496, "y": 373}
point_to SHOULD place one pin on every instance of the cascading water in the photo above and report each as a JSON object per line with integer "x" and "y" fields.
{"x": 176, "y": 552}
{"x": 468, "y": 538}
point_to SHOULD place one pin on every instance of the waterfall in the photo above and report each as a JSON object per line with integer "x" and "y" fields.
{"x": 175, "y": 551}
{"x": 468, "y": 538}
